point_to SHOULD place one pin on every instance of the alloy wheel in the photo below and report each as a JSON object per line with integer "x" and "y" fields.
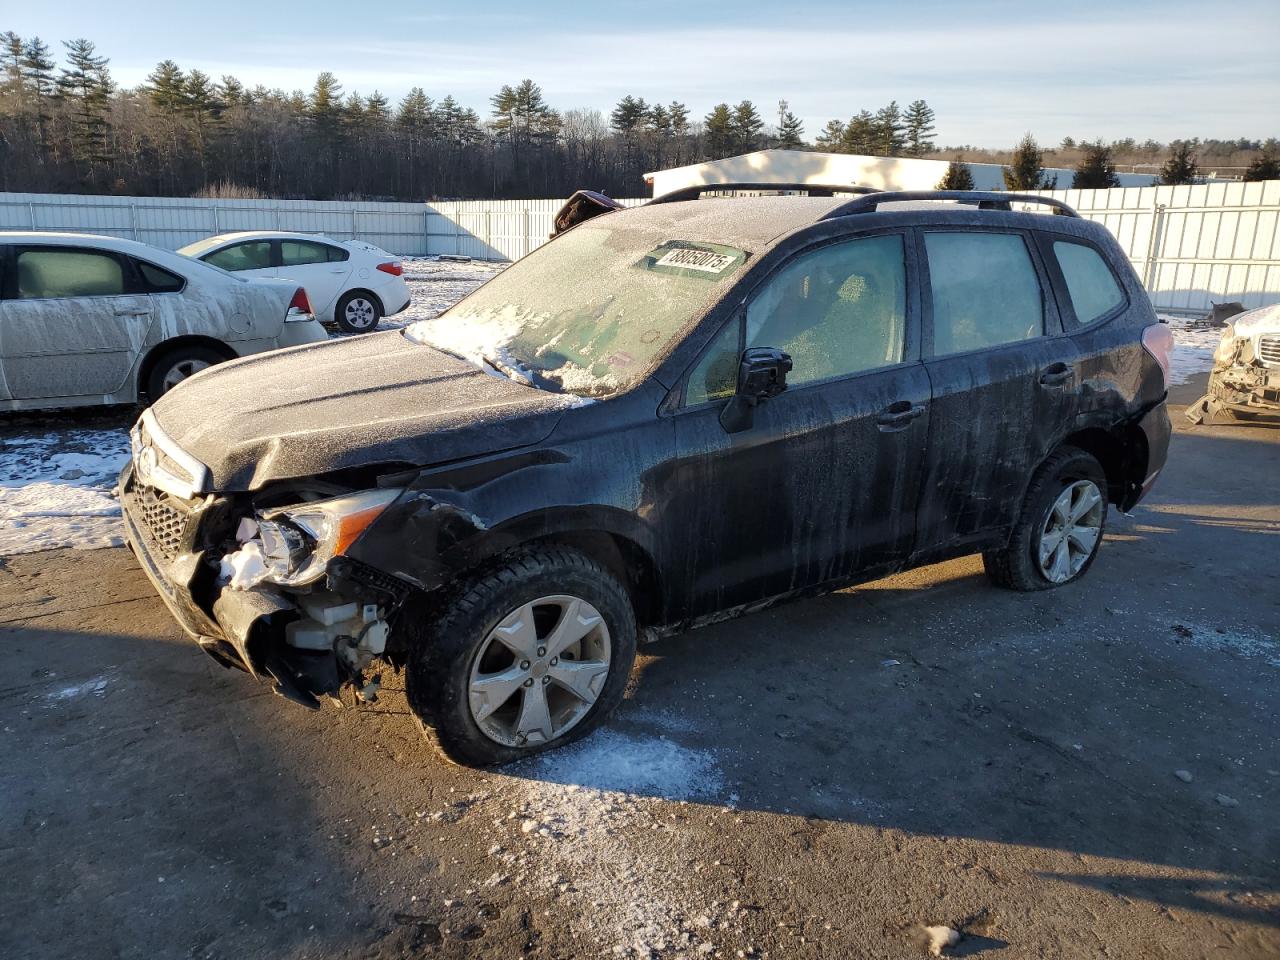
{"x": 181, "y": 370}
{"x": 539, "y": 671}
{"x": 360, "y": 314}
{"x": 1071, "y": 531}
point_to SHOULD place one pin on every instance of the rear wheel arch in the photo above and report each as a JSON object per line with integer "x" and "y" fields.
{"x": 363, "y": 292}
{"x": 167, "y": 348}
{"x": 1123, "y": 454}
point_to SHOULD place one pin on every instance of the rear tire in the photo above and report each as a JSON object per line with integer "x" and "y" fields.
{"x": 1051, "y": 545}
{"x": 357, "y": 312}
{"x": 175, "y": 365}
{"x": 479, "y": 698}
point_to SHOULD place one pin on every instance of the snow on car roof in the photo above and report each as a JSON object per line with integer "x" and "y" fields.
{"x": 744, "y": 222}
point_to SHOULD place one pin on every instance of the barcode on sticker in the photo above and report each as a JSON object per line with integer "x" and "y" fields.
{"x": 692, "y": 259}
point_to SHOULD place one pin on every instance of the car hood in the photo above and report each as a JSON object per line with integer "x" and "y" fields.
{"x": 1261, "y": 320}
{"x": 348, "y": 403}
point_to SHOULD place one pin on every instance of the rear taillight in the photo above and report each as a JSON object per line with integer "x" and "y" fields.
{"x": 1157, "y": 340}
{"x": 299, "y": 306}
{"x": 394, "y": 268}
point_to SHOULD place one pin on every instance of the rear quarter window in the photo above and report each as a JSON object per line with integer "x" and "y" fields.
{"x": 1093, "y": 288}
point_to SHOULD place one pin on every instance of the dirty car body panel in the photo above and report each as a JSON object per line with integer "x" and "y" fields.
{"x": 83, "y": 318}
{"x": 845, "y": 475}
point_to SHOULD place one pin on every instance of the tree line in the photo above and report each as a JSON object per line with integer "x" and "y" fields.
{"x": 68, "y": 127}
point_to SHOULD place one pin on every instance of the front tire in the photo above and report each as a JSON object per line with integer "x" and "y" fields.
{"x": 526, "y": 656}
{"x": 357, "y": 312}
{"x": 1059, "y": 530}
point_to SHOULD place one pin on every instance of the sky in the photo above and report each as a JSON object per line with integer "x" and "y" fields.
{"x": 991, "y": 70}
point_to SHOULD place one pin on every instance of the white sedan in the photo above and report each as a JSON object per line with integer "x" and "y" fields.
{"x": 351, "y": 283}
{"x": 88, "y": 320}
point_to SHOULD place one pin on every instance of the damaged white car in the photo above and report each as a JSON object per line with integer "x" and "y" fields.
{"x": 88, "y": 320}
{"x": 1245, "y": 381}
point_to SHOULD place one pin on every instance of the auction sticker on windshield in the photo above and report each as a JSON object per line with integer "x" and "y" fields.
{"x": 710, "y": 261}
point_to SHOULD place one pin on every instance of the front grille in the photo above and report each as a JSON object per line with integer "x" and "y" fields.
{"x": 1269, "y": 349}
{"x": 163, "y": 518}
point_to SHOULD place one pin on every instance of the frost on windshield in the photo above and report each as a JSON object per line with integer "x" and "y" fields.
{"x": 588, "y": 313}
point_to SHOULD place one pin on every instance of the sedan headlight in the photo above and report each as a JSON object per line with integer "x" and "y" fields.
{"x": 299, "y": 541}
{"x": 1226, "y": 346}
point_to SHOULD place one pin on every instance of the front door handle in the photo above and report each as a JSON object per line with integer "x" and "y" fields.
{"x": 898, "y": 415}
{"x": 132, "y": 313}
{"x": 1056, "y": 375}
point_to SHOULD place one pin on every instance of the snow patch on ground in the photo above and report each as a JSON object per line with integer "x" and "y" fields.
{"x": 1193, "y": 349}
{"x": 55, "y": 490}
{"x": 1244, "y": 643}
{"x": 96, "y": 687}
{"x": 436, "y": 285}
{"x": 589, "y": 825}
{"x": 610, "y": 760}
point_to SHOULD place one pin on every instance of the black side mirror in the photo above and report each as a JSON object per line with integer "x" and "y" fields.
{"x": 762, "y": 375}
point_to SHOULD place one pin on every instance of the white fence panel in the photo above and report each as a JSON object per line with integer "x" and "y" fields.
{"x": 1191, "y": 245}
{"x": 1194, "y": 245}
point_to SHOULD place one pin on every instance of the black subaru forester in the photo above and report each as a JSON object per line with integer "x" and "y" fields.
{"x": 665, "y": 416}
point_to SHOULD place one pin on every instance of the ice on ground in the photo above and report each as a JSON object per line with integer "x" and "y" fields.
{"x": 55, "y": 490}
{"x": 609, "y": 760}
{"x": 1193, "y": 349}
{"x": 1249, "y": 644}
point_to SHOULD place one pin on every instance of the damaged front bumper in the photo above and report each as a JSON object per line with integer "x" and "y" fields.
{"x": 1245, "y": 387}
{"x": 307, "y": 642}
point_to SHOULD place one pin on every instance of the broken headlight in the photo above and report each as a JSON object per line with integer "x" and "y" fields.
{"x": 299, "y": 541}
{"x": 1226, "y": 346}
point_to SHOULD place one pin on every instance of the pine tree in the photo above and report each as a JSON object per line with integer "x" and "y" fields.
{"x": 1265, "y": 166}
{"x": 718, "y": 127}
{"x": 659, "y": 120}
{"x": 831, "y": 138}
{"x": 790, "y": 129}
{"x": 37, "y": 76}
{"x": 1181, "y": 165}
{"x": 679, "y": 118}
{"x": 745, "y": 126}
{"x": 1095, "y": 171}
{"x": 86, "y": 86}
{"x": 13, "y": 87}
{"x": 378, "y": 110}
{"x": 888, "y": 141}
{"x": 324, "y": 106}
{"x": 232, "y": 92}
{"x": 861, "y": 135}
{"x": 957, "y": 177}
{"x": 416, "y": 113}
{"x": 629, "y": 115}
{"x": 919, "y": 128}
{"x": 1026, "y": 171}
{"x": 166, "y": 87}
{"x": 521, "y": 113}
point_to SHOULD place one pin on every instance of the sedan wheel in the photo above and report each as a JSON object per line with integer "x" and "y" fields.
{"x": 357, "y": 313}
{"x": 1071, "y": 531}
{"x": 180, "y": 371}
{"x": 539, "y": 671}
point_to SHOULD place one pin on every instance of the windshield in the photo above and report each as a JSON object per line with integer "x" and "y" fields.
{"x": 194, "y": 250}
{"x": 588, "y": 313}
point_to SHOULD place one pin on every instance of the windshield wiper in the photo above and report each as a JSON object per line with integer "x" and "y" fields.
{"x": 526, "y": 377}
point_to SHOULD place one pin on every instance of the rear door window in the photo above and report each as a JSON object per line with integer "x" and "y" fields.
{"x": 42, "y": 274}
{"x": 1093, "y": 288}
{"x": 250, "y": 255}
{"x": 300, "y": 253}
{"x": 985, "y": 291}
{"x": 158, "y": 280}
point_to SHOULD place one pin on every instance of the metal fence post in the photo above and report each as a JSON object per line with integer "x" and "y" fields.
{"x": 213, "y": 208}
{"x": 1153, "y": 246}
{"x": 133, "y": 219}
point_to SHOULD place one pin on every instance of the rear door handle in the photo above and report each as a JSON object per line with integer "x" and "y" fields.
{"x": 132, "y": 313}
{"x": 898, "y": 415}
{"x": 1056, "y": 375}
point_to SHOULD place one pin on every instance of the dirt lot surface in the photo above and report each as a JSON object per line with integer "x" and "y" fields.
{"x": 1090, "y": 772}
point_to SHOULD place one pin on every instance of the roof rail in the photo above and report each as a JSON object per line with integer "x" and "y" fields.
{"x": 985, "y": 199}
{"x": 813, "y": 189}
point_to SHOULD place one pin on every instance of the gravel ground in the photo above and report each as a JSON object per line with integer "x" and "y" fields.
{"x": 1087, "y": 772}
